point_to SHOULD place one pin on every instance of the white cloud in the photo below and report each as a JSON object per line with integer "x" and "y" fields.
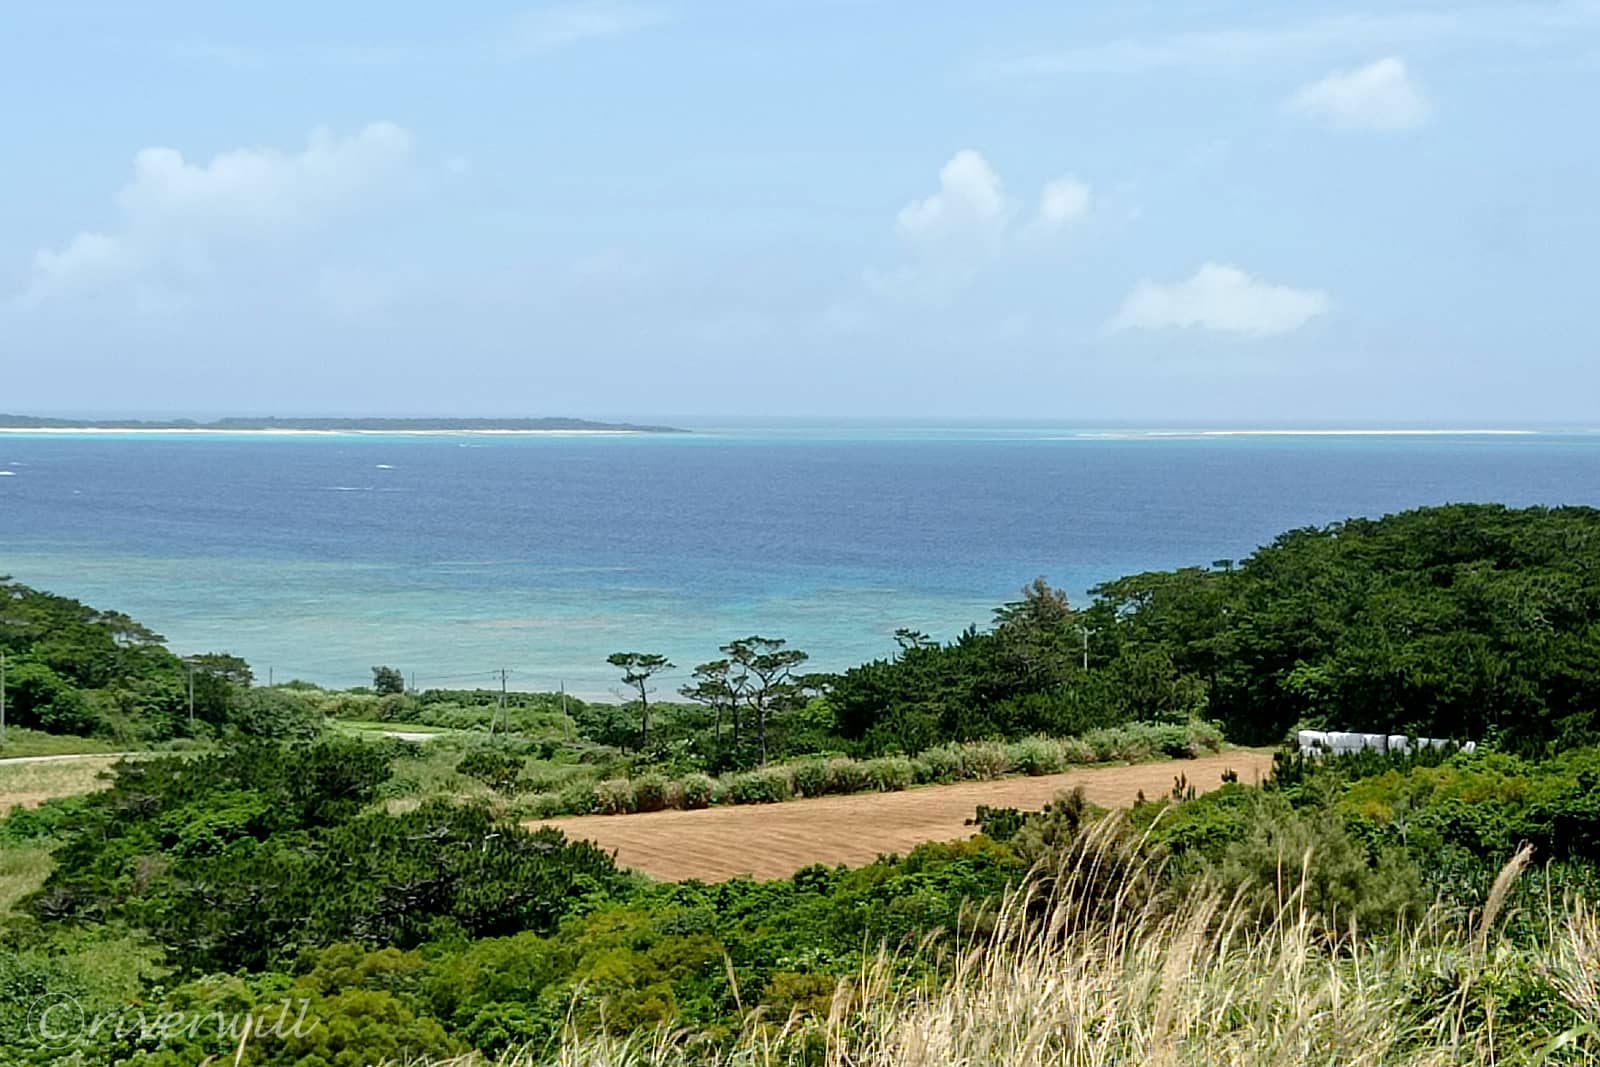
{"x": 1241, "y": 48}
{"x": 549, "y": 28}
{"x": 1062, "y": 201}
{"x": 969, "y": 221}
{"x": 1220, "y": 297}
{"x": 173, "y": 212}
{"x": 970, "y": 200}
{"x": 1380, "y": 96}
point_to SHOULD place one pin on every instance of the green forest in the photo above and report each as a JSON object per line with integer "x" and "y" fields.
{"x": 267, "y": 847}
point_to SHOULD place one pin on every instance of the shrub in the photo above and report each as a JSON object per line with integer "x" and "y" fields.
{"x": 615, "y": 796}
{"x": 1201, "y": 736}
{"x": 1075, "y": 751}
{"x": 985, "y": 759}
{"x": 546, "y": 805}
{"x": 1127, "y": 743}
{"x": 650, "y": 793}
{"x": 552, "y": 780}
{"x": 1034, "y": 756}
{"x": 847, "y": 776}
{"x": 942, "y": 764}
{"x": 810, "y": 777}
{"x": 889, "y": 774}
{"x": 396, "y": 707}
{"x": 698, "y": 790}
{"x": 497, "y": 770}
{"x": 769, "y": 786}
{"x": 581, "y": 799}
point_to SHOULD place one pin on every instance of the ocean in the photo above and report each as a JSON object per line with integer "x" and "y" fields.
{"x": 453, "y": 556}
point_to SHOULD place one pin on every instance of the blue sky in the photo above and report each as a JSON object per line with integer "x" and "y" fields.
{"x": 1136, "y": 211}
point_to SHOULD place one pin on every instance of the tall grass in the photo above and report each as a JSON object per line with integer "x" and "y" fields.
{"x": 1097, "y": 970}
{"x": 23, "y": 870}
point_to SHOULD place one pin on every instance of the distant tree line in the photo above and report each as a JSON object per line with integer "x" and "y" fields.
{"x": 1466, "y": 621}
{"x": 1473, "y": 621}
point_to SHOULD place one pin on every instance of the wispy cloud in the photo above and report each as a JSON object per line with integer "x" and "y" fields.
{"x": 1380, "y": 96}
{"x": 1219, "y": 297}
{"x": 550, "y": 28}
{"x": 533, "y": 32}
{"x": 1237, "y": 47}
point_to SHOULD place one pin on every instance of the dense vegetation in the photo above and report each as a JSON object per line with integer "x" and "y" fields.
{"x": 210, "y": 885}
{"x": 1468, "y": 621}
{"x": 72, "y": 669}
{"x": 1352, "y": 909}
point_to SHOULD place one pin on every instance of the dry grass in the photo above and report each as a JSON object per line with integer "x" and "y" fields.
{"x": 1104, "y": 980}
{"x": 775, "y": 840}
{"x": 29, "y": 783}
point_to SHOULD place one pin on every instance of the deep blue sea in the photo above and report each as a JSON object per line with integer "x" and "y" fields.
{"x": 451, "y": 556}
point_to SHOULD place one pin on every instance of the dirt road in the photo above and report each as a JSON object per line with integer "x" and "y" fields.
{"x": 775, "y": 840}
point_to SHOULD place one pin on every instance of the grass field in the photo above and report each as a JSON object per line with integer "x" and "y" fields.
{"x": 25, "y": 742}
{"x": 775, "y": 840}
{"x": 31, "y": 781}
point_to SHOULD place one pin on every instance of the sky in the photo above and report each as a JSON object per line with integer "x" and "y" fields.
{"x": 1138, "y": 211}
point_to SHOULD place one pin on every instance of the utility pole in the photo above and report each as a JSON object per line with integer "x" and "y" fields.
{"x": 502, "y": 709}
{"x": 2, "y": 696}
{"x": 1085, "y": 631}
{"x": 191, "y": 696}
{"x": 566, "y": 720}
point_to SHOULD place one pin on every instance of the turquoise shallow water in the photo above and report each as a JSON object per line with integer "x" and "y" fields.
{"x": 451, "y": 556}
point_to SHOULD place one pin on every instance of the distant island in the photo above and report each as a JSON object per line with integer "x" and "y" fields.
{"x": 338, "y": 425}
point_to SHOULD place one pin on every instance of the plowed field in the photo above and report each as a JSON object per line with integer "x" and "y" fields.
{"x": 775, "y": 840}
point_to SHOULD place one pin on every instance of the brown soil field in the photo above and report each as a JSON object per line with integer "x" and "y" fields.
{"x": 775, "y": 840}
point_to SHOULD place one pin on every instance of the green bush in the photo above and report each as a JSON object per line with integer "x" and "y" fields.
{"x": 497, "y": 770}
{"x": 1035, "y": 756}
{"x": 847, "y": 776}
{"x": 810, "y": 777}
{"x": 1344, "y": 884}
{"x": 546, "y": 806}
{"x": 1076, "y": 752}
{"x": 1119, "y": 743}
{"x": 699, "y": 791}
{"x": 941, "y": 764}
{"x": 580, "y": 799}
{"x": 889, "y": 774}
{"x": 615, "y": 796}
{"x": 1200, "y": 737}
{"x": 769, "y": 786}
{"x": 983, "y": 760}
{"x": 650, "y": 793}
